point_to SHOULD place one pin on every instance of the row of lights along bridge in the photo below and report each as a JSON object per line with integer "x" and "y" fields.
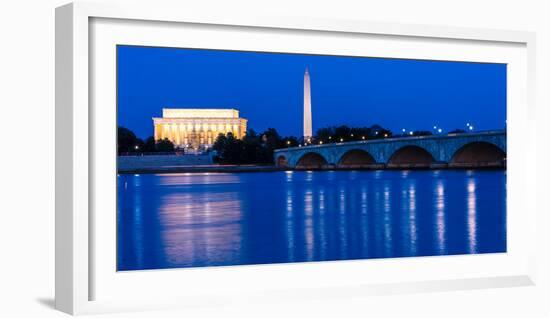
{"x": 405, "y": 133}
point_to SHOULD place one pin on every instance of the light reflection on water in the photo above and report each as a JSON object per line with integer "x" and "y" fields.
{"x": 209, "y": 219}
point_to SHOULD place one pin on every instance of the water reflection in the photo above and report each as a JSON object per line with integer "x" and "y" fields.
{"x": 472, "y": 215}
{"x": 188, "y": 220}
{"x": 440, "y": 216}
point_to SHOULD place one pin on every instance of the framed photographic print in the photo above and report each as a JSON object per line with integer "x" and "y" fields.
{"x": 211, "y": 159}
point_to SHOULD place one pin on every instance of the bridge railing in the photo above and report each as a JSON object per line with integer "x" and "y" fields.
{"x": 399, "y": 138}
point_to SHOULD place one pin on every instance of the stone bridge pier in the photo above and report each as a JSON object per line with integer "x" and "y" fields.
{"x": 467, "y": 150}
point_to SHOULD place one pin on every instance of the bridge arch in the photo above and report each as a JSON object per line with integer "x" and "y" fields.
{"x": 478, "y": 154}
{"x": 311, "y": 160}
{"x": 356, "y": 158}
{"x": 410, "y": 156}
{"x": 282, "y": 161}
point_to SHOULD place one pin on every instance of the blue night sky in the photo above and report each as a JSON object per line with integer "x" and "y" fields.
{"x": 267, "y": 89}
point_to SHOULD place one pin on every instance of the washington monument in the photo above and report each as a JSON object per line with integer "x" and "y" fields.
{"x": 307, "y": 108}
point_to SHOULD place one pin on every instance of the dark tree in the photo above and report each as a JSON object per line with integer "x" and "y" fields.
{"x": 149, "y": 145}
{"x": 127, "y": 141}
{"x": 229, "y": 149}
{"x": 254, "y": 148}
{"x": 422, "y": 133}
{"x": 289, "y": 142}
{"x": 457, "y": 131}
{"x": 164, "y": 145}
{"x": 344, "y": 133}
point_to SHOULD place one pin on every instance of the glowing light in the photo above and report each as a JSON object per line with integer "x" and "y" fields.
{"x": 439, "y": 130}
{"x": 288, "y": 142}
{"x": 136, "y": 147}
{"x": 320, "y": 142}
{"x": 341, "y": 139}
{"x": 435, "y": 127}
{"x": 471, "y": 127}
{"x": 411, "y": 133}
{"x": 385, "y": 135}
{"x": 363, "y": 137}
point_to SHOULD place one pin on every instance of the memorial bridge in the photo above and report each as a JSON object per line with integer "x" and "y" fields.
{"x": 464, "y": 150}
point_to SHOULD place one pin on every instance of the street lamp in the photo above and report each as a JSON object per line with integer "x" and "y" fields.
{"x": 136, "y": 147}
{"x": 341, "y": 139}
{"x": 320, "y": 142}
{"x": 471, "y": 127}
{"x": 439, "y": 130}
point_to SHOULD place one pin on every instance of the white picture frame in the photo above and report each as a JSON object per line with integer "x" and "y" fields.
{"x": 81, "y": 257}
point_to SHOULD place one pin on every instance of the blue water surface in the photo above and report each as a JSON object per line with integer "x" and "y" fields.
{"x": 211, "y": 219}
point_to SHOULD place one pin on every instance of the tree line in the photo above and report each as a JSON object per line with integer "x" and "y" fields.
{"x": 258, "y": 148}
{"x": 253, "y": 148}
{"x": 128, "y": 142}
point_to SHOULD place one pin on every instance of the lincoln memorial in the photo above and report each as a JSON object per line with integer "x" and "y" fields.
{"x": 197, "y": 128}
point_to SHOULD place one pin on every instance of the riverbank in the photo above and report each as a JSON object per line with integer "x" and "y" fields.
{"x": 202, "y": 168}
{"x": 265, "y": 168}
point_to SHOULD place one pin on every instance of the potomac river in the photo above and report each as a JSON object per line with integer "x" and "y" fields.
{"x": 210, "y": 219}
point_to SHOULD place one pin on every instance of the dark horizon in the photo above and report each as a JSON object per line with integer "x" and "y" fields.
{"x": 267, "y": 89}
